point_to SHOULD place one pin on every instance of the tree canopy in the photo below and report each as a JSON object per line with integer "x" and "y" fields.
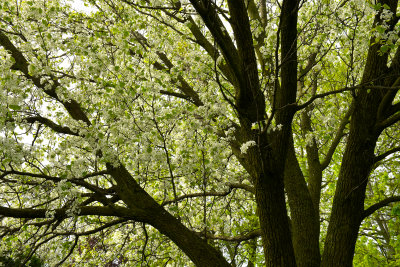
{"x": 200, "y": 132}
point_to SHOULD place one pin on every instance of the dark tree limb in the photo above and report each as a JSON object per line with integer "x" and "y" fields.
{"x": 178, "y": 95}
{"x": 389, "y": 121}
{"x": 205, "y": 9}
{"x": 77, "y": 181}
{"x": 52, "y": 125}
{"x": 188, "y": 92}
{"x": 71, "y": 250}
{"x": 194, "y": 195}
{"x": 210, "y": 49}
{"x": 246, "y": 187}
{"x": 345, "y": 89}
{"x": 379, "y": 205}
{"x": 249, "y": 98}
{"x": 144, "y": 206}
{"x": 385, "y": 154}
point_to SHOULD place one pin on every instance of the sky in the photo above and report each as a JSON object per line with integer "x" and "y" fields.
{"x": 79, "y": 5}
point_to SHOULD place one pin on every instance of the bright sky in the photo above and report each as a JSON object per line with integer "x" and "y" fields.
{"x": 79, "y": 5}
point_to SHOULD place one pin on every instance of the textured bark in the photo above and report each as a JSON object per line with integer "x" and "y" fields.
{"x": 264, "y": 164}
{"x": 304, "y": 218}
{"x": 348, "y": 204}
{"x": 314, "y": 165}
{"x": 277, "y": 242}
{"x": 250, "y": 100}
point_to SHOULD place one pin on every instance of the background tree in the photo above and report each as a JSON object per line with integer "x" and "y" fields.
{"x": 225, "y": 132}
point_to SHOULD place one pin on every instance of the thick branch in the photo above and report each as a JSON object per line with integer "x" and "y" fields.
{"x": 379, "y": 205}
{"x": 214, "y": 24}
{"x": 345, "y": 89}
{"x": 211, "y": 50}
{"x": 52, "y": 125}
{"x": 395, "y": 108}
{"x": 178, "y": 95}
{"x": 189, "y": 93}
{"x": 249, "y": 98}
{"x": 246, "y": 187}
{"x": 389, "y": 121}
{"x": 20, "y": 61}
{"x": 385, "y": 154}
{"x": 182, "y": 85}
{"x": 201, "y": 253}
{"x": 288, "y": 27}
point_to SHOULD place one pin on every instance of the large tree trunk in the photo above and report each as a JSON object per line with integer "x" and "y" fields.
{"x": 278, "y": 247}
{"x": 274, "y": 222}
{"x": 264, "y": 162}
{"x": 348, "y": 202}
{"x": 267, "y": 177}
{"x": 304, "y": 218}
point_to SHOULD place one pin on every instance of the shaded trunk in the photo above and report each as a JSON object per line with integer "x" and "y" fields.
{"x": 313, "y": 162}
{"x": 348, "y": 204}
{"x": 304, "y": 218}
{"x": 267, "y": 177}
{"x": 278, "y": 247}
{"x": 264, "y": 162}
{"x": 274, "y": 222}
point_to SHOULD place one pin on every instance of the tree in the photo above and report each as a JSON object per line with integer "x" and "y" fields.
{"x": 148, "y": 131}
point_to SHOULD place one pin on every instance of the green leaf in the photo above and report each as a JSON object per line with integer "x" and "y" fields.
{"x": 396, "y": 210}
{"x": 15, "y": 107}
{"x": 384, "y": 48}
{"x": 385, "y": 6}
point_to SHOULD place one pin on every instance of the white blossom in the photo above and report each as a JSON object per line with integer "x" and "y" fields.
{"x": 50, "y": 213}
{"x": 386, "y": 14}
{"x": 245, "y": 146}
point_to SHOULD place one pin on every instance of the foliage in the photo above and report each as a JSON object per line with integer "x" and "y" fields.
{"x": 118, "y": 115}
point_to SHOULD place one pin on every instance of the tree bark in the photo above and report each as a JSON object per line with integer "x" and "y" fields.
{"x": 358, "y": 158}
{"x": 304, "y": 218}
{"x": 270, "y": 197}
{"x": 348, "y": 204}
{"x": 265, "y": 165}
{"x": 277, "y": 241}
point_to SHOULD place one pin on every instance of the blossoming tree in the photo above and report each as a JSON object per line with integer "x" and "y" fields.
{"x": 213, "y": 132}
